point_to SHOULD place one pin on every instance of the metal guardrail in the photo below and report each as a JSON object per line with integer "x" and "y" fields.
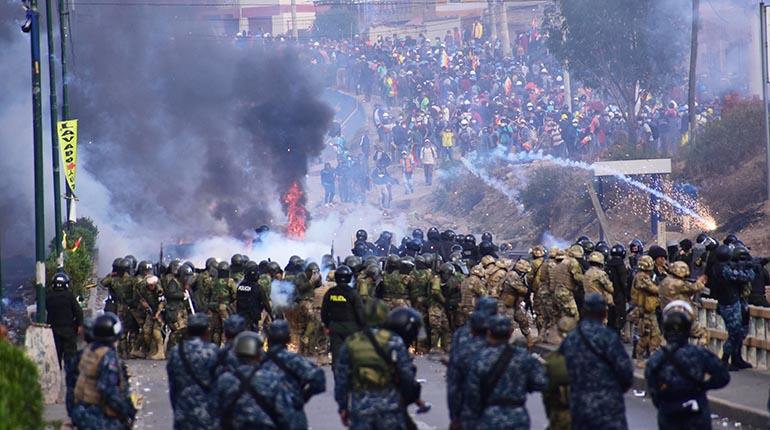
{"x": 756, "y": 347}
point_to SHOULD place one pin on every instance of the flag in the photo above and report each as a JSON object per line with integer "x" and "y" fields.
{"x": 76, "y": 246}
{"x": 508, "y": 86}
{"x": 444, "y": 59}
{"x": 68, "y": 145}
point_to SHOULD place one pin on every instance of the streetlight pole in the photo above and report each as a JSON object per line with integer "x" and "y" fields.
{"x": 33, "y": 26}
{"x": 54, "y": 134}
{"x": 64, "y": 31}
{"x": 763, "y": 45}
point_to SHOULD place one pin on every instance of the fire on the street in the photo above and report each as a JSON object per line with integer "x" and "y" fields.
{"x": 295, "y": 209}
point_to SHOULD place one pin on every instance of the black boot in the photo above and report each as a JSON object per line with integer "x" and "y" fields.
{"x": 739, "y": 362}
{"x": 726, "y": 362}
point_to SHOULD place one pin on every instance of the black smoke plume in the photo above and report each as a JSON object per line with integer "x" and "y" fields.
{"x": 185, "y": 126}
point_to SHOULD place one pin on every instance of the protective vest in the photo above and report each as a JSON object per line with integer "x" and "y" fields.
{"x": 340, "y": 305}
{"x": 641, "y": 296}
{"x": 86, "y": 390}
{"x": 394, "y": 287}
{"x": 223, "y": 291}
{"x": 370, "y": 372}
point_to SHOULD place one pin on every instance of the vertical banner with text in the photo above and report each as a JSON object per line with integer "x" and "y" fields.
{"x": 68, "y": 144}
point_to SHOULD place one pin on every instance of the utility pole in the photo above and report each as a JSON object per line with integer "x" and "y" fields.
{"x": 64, "y": 31}
{"x": 763, "y": 46}
{"x": 54, "y": 134}
{"x": 294, "y": 32}
{"x": 692, "y": 80}
{"x": 503, "y": 30}
{"x": 492, "y": 20}
{"x": 33, "y": 27}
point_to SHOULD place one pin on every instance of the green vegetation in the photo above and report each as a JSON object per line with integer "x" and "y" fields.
{"x": 79, "y": 264}
{"x": 553, "y": 192}
{"x": 21, "y": 402}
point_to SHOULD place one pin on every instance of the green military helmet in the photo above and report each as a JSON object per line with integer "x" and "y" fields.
{"x": 116, "y": 264}
{"x": 373, "y": 271}
{"x": 522, "y": 266}
{"x": 392, "y": 263}
{"x": 370, "y": 260}
{"x": 646, "y": 264}
{"x": 596, "y": 258}
{"x": 576, "y": 251}
{"x": 406, "y": 266}
{"x": 144, "y": 268}
{"x": 124, "y": 266}
{"x": 354, "y": 263}
{"x": 375, "y": 312}
{"x": 312, "y": 268}
{"x": 538, "y": 251}
{"x": 223, "y": 270}
{"x": 420, "y": 263}
{"x": 173, "y": 267}
{"x": 446, "y": 271}
{"x": 184, "y": 273}
{"x": 274, "y": 269}
{"x": 680, "y": 269}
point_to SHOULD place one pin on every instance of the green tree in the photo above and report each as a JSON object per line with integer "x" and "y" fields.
{"x": 79, "y": 264}
{"x": 621, "y": 47}
{"x": 337, "y": 22}
{"x": 21, "y": 404}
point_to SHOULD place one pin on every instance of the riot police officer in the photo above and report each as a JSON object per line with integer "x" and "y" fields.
{"x": 341, "y": 310}
{"x": 64, "y": 316}
{"x": 250, "y": 299}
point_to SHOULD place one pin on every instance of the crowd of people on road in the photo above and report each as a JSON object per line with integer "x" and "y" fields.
{"x": 438, "y": 293}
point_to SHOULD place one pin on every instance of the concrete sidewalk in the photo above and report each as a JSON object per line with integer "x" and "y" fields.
{"x": 744, "y": 399}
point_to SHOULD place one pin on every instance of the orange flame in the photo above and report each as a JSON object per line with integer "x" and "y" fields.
{"x": 295, "y": 209}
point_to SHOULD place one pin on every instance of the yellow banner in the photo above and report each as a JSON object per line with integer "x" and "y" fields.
{"x": 68, "y": 144}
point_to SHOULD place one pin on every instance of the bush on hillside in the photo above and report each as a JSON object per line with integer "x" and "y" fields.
{"x": 553, "y": 192}
{"x": 21, "y": 402}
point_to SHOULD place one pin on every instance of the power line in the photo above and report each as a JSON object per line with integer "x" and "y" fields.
{"x": 243, "y": 4}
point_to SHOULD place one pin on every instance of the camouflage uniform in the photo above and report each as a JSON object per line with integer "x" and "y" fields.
{"x": 464, "y": 347}
{"x": 597, "y": 281}
{"x": 121, "y": 290}
{"x": 237, "y": 409}
{"x": 597, "y": 382}
{"x": 102, "y": 399}
{"x": 365, "y": 285}
{"x": 535, "y": 280}
{"x": 494, "y": 275}
{"x": 302, "y": 378}
{"x": 673, "y": 288}
{"x": 265, "y": 282}
{"x": 504, "y": 405}
{"x": 545, "y": 295}
{"x": 512, "y": 296}
{"x": 204, "y": 285}
{"x": 556, "y": 394}
{"x": 472, "y": 288}
{"x": 153, "y": 303}
{"x": 394, "y": 292}
{"x": 317, "y": 339}
{"x": 452, "y": 291}
{"x": 222, "y": 296}
{"x": 190, "y": 369}
{"x": 419, "y": 286}
{"x": 437, "y": 318}
{"x": 644, "y": 296}
{"x": 307, "y": 324}
{"x": 667, "y": 385}
{"x": 176, "y": 311}
{"x": 364, "y": 383}
{"x": 565, "y": 278}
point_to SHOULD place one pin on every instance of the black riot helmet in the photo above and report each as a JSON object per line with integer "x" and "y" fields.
{"x": 603, "y": 249}
{"x": 448, "y": 236}
{"x": 741, "y": 253}
{"x": 636, "y": 247}
{"x": 273, "y": 269}
{"x": 144, "y": 268}
{"x": 343, "y": 275}
{"x": 312, "y": 268}
{"x": 278, "y": 332}
{"x": 418, "y": 234}
{"x": 60, "y": 281}
{"x": 723, "y": 253}
{"x": 262, "y": 266}
{"x": 421, "y": 263}
{"x": 361, "y": 235}
{"x": 360, "y": 249}
{"x": 392, "y": 263}
{"x": 251, "y": 271}
{"x": 413, "y": 245}
{"x": 124, "y": 266}
{"x": 486, "y": 248}
{"x": 386, "y": 236}
{"x": 677, "y": 321}
{"x": 211, "y": 263}
{"x": 486, "y": 236}
{"x": 471, "y": 239}
{"x": 223, "y": 270}
{"x": 433, "y": 234}
{"x": 446, "y": 271}
{"x": 132, "y": 262}
{"x": 406, "y": 266}
{"x": 116, "y": 264}
{"x": 173, "y": 267}
{"x": 730, "y": 239}
{"x": 107, "y": 327}
{"x": 184, "y": 273}
{"x": 236, "y": 262}
{"x": 587, "y": 245}
{"x": 618, "y": 251}
{"x": 701, "y": 238}
{"x": 248, "y": 344}
{"x": 405, "y": 322}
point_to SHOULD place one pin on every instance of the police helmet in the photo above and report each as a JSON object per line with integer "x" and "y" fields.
{"x": 677, "y": 320}
{"x": 446, "y": 271}
{"x": 685, "y": 245}
{"x": 144, "y": 268}
{"x": 471, "y": 239}
{"x": 251, "y": 271}
{"x": 312, "y": 268}
{"x": 723, "y": 253}
{"x": 418, "y": 234}
{"x": 730, "y": 239}
{"x": 392, "y": 263}
{"x": 361, "y": 235}
{"x": 405, "y": 322}
{"x": 581, "y": 239}
{"x": 233, "y": 325}
{"x": 327, "y": 261}
{"x": 131, "y": 262}
{"x": 263, "y": 266}
{"x": 741, "y": 253}
{"x": 248, "y": 344}
{"x": 278, "y": 332}
{"x": 124, "y": 266}
{"x": 236, "y": 261}
{"x": 486, "y": 237}
{"x": 594, "y": 303}
{"x": 587, "y": 245}
{"x": 636, "y": 246}
{"x": 413, "y": 244}
{"x": 107, "y": 327}
{"x": 223, "y": 270}
{"x": 406, "y": 266}
{"x": 373, "y": 271}
{"x": 173, "y": 267}
{"x": 116, "y": 264}
{"x": 60, "y": 281}
{"x": 420, "y": 263}
{"x": 448, "y": 236}
{"x": 88, "y": 329}
{"x": 433, "y": 234}
{"x": 701, "y": 238}
{"x": 486, "y": 248}
{"x": 211, "y": 263}
{"x": 343, "y": 275}
{"x": 353, "y": 262}
{"x": 360, "y": 249}
{"x": 273, "y": 268}
{"x": 618, "y": 251}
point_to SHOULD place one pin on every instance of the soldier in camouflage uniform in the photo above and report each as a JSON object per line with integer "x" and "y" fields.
{"x": 599, "y": 368}
{"x": 451, "y": 288}
{"x": 556, "y": 395}
{"x": 466, "y": 341}
{"x": 222, "y": 297}
{"x": 596, "y": 279}
{"x": 535, "y": 281}
{"x": 437, "y": 317}
{"x": 394, "y": 292}
{"x": 101, "y": 396}
{"x": 121, "y": 287}
{"x": 513, "y": 295}
{"x": 303, "y": 378}
{"x": 204, "y": 285}
{"x": 678, "y": 287}
{"x": 499, "y": 401}
{"x": 153, "y": 303}
{"x": 565, "y": 278}
{"x": 419, "y": 293}
{"x": 307, "y": 325}
{"x": 365, "y": 382}
{"x": 191, "y": 369}
{"x": 644, "y": 296}
{"x": 494, "y": 274}
{"x": 369, "y": 281}
{"x": 545, "y": 293}
{"x": 252, "y": 396}
{"x": 471, "y": 290}
{"x": 237, "y": 265}
{"x": 177, "y": 308}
